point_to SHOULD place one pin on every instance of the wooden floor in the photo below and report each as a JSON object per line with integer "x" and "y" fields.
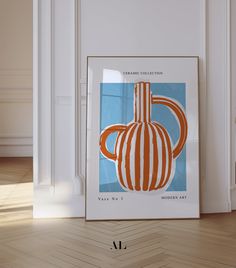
{"x": 28, "y": 243}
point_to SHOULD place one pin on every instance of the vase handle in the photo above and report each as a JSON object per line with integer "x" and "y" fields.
{"x": 183, "y": 125}
{"x": 103, "y": 139}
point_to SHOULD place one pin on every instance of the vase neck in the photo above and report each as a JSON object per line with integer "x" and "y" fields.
{"x": 142, "y": 102}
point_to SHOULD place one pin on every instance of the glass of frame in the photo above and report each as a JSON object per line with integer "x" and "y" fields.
{"x": 142, "y": 138}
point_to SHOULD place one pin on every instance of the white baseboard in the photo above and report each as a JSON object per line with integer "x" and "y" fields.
{"x": 16, "y": 146}
{"x": 233, "y": 198}
{"x": 16, "y": 150}
{"x": 48, "y": 204}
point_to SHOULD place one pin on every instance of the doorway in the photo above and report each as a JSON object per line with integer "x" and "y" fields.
{"x": 16, "y": 110}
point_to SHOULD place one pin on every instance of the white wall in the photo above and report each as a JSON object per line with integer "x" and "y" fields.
{"x": 184, "y": 27}
{"x": 15, "y": 78}
{"x": 117, "y": 27}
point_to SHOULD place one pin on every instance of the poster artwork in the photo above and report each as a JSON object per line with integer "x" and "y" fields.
{"x": 142, "y": 138}
{"x": 147, "y": 153}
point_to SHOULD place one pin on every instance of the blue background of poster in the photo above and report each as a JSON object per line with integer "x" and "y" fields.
{"x": 116, "y": 107}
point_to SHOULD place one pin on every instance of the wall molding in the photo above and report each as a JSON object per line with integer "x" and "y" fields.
{"x": 52, "y": 90}
{"x": 36, "y": 53}
{"x": 203, "y": 98}
{"x": 16, "y": 145}
{"x": 10, "y": 140}
{"x": 80, "y": 103}
{"x": 42, "y": 71}
{"x": 229, "y": 165}
{"x": 16, "y": 95}
{"x": 216, "y": 186}
{"x": 16, "y": 72}
{"x": 57, "y": 191}
{"x": 15, "y": 78}
{"x": 233, "y": 104}
{"x": 16, "y": 151}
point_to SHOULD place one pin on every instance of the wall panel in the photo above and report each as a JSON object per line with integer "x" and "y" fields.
{"x": 131, "y": 27}
{"x": 16, "y": 78}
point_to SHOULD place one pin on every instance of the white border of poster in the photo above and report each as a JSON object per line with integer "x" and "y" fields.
{"x": 143, "y": 203}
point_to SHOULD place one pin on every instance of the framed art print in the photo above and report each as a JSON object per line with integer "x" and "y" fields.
{"x": 142, "y": 138}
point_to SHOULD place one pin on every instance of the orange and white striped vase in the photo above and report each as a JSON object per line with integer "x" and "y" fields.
{"x": 143, "y": 151}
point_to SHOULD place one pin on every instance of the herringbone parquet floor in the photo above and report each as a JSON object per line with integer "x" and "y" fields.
{"x": 69, "y": 243}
